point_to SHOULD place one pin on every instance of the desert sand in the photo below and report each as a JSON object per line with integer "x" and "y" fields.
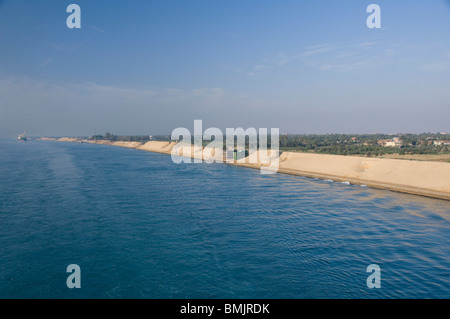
{"x": 127, "y": 144}
{"x": 158, "y": 147}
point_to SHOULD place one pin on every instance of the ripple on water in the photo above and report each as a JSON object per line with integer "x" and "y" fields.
{"x": 141, "y": 226}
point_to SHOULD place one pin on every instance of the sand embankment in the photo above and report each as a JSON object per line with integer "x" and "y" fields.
{"x": 414, "y": 177}
{"x": 104, "y": 142}
{"x": 192, "y": 151}
{"x": 67, "y": 139}
{"x": 127, "y": 144}
{"x": 158, "y": 147}
{"x": 424, "y": 178}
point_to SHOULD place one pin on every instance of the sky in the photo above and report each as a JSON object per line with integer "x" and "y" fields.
{"x": 148, "y": 67}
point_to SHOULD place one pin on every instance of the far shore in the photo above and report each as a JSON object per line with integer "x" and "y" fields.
{"x": 414, "y": 176}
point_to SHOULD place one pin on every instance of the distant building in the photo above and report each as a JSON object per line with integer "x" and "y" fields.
{"x": 441, "y": 142}
{"x": 394, "y": 142}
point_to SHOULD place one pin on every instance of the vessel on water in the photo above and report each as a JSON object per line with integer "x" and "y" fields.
{"x": 22, "y": 137}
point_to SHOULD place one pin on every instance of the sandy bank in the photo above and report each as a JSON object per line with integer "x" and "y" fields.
{"x": 67, "y": 139}
{"x": 424, "y": 178}
{"x": 104, "y": 142}
{"x": 415, "y": 177}
{"x": 127, "y": 144}
{"x": 158, "y": 147}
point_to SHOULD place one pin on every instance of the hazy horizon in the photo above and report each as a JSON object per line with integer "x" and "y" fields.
{"x": 305, "y": 67}
{"x": 168, "y": 134}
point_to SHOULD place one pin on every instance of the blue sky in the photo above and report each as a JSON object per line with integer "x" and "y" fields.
{"x": 147, "y": 67}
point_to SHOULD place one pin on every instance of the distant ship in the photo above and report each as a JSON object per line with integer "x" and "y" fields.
{"x": 22, "y": 137}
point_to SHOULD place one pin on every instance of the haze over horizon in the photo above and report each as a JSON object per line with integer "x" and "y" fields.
{"x": 300, "y": 66}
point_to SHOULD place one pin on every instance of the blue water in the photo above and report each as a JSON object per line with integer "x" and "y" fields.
{"x": 140, "y": 226}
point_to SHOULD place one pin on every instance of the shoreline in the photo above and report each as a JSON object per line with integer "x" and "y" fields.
{"x": 404, "y": 189}
{"x": 423, "y": 178}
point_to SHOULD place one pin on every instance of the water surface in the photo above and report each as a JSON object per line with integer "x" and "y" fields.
{"x": 140, "y": 226}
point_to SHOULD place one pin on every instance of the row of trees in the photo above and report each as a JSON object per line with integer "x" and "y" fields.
{"x": 368, "y": 144}
{"x": 341, "y": 144}
{"x": 129, "y": 138}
